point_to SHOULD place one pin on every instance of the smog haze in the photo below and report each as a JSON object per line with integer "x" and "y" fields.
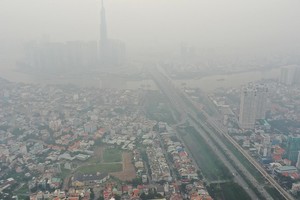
{"x": 153, "y": 25}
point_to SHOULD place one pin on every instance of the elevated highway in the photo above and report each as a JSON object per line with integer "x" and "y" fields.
{"x": 189, "y": 112}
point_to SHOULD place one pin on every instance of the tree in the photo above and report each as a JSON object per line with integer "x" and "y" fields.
{"x": 92, "y": 195}
{"x": 137, "y": 181}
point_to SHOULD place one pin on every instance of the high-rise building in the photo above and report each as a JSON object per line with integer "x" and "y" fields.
{"x": 111, "y": 52}
{"x": 247, "y": 108}
{"x": 293, "y": 148}
{"x": 253, "y": 105}
{"x": 261, "y": 101}
{"x": 287, "y": 75}
{"x": 297, "y": 74}
{"x": 103, "y": 28}
{"x": 298, "y": 160}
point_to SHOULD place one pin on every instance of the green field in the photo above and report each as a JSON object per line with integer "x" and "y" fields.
{"x": 102, "y": 168}
{"x": 212, "y": 168}
{"x": 94, "y": 160}
{"x": 112, "y": 155}
{"x": 230, "y": 191}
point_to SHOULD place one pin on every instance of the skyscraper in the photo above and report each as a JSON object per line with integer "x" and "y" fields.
{"x": 111, "y": 52}
{"x": 103, "y": 28}
{"x": 253, "y": 105}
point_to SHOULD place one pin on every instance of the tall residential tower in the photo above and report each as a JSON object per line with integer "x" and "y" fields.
{"x": 253, "y": 105}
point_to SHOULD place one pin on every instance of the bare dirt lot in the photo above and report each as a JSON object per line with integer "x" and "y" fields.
{"x": 128, "y": 172}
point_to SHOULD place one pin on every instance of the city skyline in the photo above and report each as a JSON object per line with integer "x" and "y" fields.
{"x": 143, "y": 99}
{"x": 207, "y": 25}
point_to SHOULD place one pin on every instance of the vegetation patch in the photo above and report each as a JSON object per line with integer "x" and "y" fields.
{"x": 158, "y": 108}
{"x": 284, "y": 126}
{"x": 102, "y": 168}
{"x": 255, "y": 173}
{"x": 23, "y": 192}
{"x": 230, "y": 191}
{"x": 274, "y": 193}
{"x": 241, "y": 158}
{"x": 213, "y": 169}
{"x": 112, "y": 155}
{"x": 64, "y": 173}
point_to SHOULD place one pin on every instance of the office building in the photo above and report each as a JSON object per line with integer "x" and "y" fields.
{"x": 75, "y": 56}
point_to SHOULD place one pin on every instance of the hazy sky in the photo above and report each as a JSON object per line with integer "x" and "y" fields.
{"x": 156, "y": 23}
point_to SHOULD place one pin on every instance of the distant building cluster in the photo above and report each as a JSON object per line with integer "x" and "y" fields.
{"x": 75, "y": 56}
{"x": 289, "y": 75}
{"x": 60, "y": 57}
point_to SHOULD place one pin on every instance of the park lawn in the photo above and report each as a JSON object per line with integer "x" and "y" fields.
{"x": 102, "y": 168}
{"x": 94, "y": 160}
{"x": 112, "y": 155}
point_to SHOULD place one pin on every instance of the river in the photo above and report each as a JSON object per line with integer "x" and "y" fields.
{"x": 210, "y": 83}
{"x": 206, "y": 84}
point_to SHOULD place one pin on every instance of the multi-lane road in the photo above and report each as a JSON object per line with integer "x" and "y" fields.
{"x": 214, "y": 135}
{"x": 258, "y": 167}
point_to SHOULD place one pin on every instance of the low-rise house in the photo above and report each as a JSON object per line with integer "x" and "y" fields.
{"x": 88, "y": 180}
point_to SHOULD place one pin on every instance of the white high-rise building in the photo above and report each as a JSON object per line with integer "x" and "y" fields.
{"x": 247, "y": 108}
{"x": 253, "y": 105}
